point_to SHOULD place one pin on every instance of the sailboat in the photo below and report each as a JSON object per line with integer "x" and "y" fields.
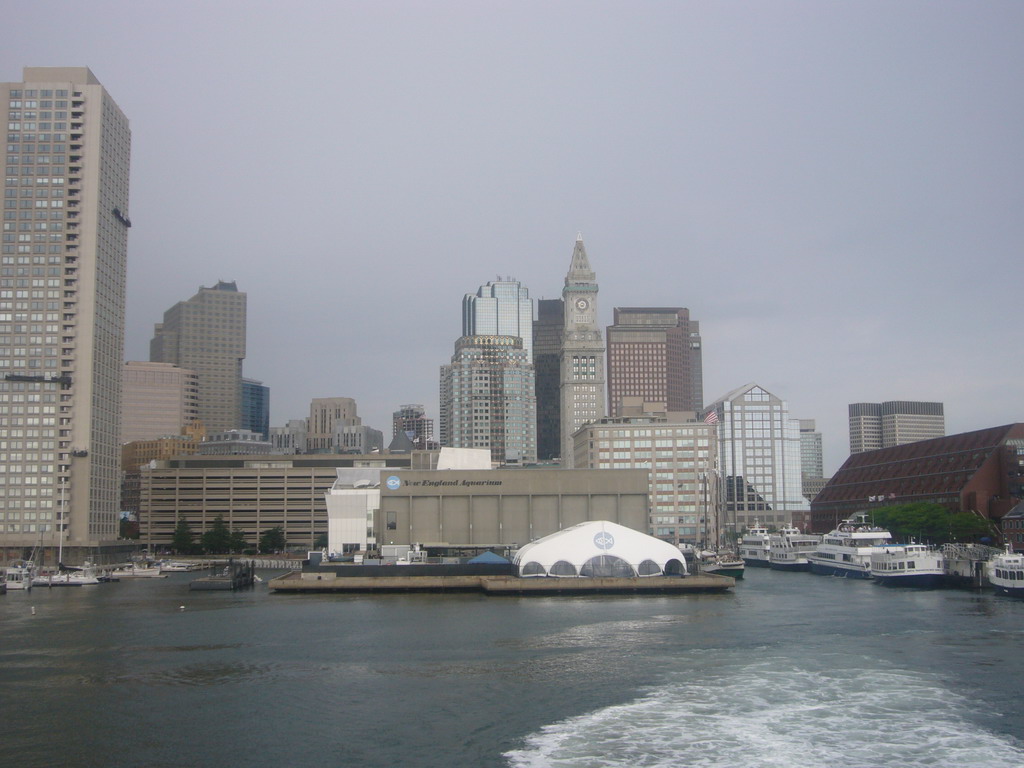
{"x": 719, "y": 561}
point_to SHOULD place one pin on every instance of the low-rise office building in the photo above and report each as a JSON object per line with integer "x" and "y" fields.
{"x": 250, "y": 493}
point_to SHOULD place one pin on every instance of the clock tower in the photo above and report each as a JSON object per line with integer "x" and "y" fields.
{"x": 582, "y": 355}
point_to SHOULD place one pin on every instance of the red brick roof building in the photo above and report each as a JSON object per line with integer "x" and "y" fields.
{"x": 980, "y": 471}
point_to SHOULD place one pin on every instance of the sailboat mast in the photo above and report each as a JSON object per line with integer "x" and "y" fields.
{"x": 63, "y": 510}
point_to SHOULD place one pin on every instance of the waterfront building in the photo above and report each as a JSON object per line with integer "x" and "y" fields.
{"x": 411, "y": 420}
{"x": 138, "y": 453}
{"x": 598, "y": 549}
{"x": 62, "y": 308}
{"x": 234, "y": 442}
{"x": 156, "y": 399}
{"x": 488, "y": 401}
{"x": 500, "y": 308}
{"x": 504, "y": 507}
{"x": 759, "y": 457}
{"x": 206, "y": 334}
{"x": 581, "y": 358}
{"x": 547, "y": 345}
{"x": 680, "y": 454}
{"x": 654, "y": 353}
{"x": 1013, "y": 528}
{"x": 896, "y": 422}
{"x": 250, "y": 493}
{"x": 981, "y": 472}
{"x": 256, "y": 407}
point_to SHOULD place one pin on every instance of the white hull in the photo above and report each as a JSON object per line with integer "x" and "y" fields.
{"x": 846, "y": 551}
{"x": 788, "y": 550}
{"x": 910, "y": 565}
{"x": 753, "y": 546}
{"x": 1006, "y": 574}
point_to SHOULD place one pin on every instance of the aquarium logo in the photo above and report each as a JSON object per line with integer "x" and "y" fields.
{"x": 394, "y": 483}
{"x": 604, "y": 540}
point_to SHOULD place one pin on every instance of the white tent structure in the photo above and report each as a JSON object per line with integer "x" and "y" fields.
{"x": 599, "y": 549}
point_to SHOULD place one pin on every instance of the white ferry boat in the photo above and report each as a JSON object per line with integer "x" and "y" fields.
{"x": 908, "y": 565}
{"x": 846, "y": 551}
{"x": 1006, "y": 572}
{"x": 19, "y": 576}
{"x": 788, "y": 549}
{"x": 754, "y": 546}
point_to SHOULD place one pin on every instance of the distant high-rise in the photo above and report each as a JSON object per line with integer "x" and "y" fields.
{"x": 582, "y": 353}
{"x": 158, "y": 399}
{"x": 759, "y": 457}
{"x": 547, "y": 346}
{"x": 207, "y": 335}
{"x": 325, "y": 415}
{"x": 487, "y": 392}
{"x": 892, "y": 423}
{"x": 488, "y": 400}
{"x": 411, "y": 421}
{"x": 500, "y": 308}
{"x": 62, "y": 307}
{"x": 256, "y": 407}
{"x": 812, "y": 458}
{"x": 655, "y": 353}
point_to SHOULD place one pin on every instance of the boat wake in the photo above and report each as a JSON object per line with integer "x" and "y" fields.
{"x": 767, "y": 716}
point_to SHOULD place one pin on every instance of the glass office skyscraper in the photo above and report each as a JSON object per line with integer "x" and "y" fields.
{"x": 487, "y": 392}
{"x": 500, "y": 308}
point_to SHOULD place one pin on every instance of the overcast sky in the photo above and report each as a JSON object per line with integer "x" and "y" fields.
{"x": 834, "y": 189}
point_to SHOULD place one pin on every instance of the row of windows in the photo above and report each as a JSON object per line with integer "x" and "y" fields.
{"x": 43, "y": 93}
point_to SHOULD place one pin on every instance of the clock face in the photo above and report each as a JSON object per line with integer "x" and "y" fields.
{"x": 582, "y": 305}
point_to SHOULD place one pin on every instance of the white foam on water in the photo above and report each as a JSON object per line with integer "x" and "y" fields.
{"x": 777, "y": 715}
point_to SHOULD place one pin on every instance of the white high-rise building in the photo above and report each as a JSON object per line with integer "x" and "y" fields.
{"x": 759, "y": 458}
{"x": 62, "y": 306}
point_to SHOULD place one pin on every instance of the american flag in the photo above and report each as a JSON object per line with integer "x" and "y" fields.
{"x": 711, "y": 418}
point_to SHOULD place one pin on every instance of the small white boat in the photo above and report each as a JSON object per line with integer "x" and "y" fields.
{"x": 788, "y": 549}
{"x": 135, "y": 571}
{"x": 908, "y": 565}
{"x": 754, "y": 546}
{"x": 177, "y": 566}
{"x": 19, "y": 576}
{"x": 86, "y": 576}
{"x": 846, "y": 551}
{"x": 1006, "y": 573}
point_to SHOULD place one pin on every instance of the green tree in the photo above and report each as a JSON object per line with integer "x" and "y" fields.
{"x": 217, "y": 538}
{"x": 272, "y": 540}
{"x": 236, "y": 541}
{"x": 320, "y": 542}
{"x": 929, "y": 522}
{"x": 183, "y": 541}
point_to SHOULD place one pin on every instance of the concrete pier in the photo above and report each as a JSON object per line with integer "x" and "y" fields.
{"x": 498, "y": 585}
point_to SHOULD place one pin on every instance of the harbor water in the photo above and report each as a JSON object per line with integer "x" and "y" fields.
{"x": 788, "y": 669}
